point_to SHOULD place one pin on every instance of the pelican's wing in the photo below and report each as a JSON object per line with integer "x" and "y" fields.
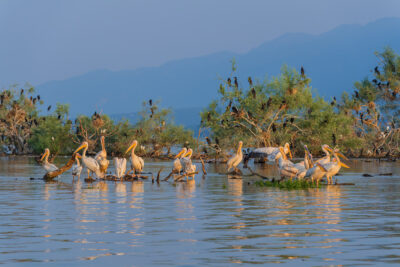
{"x": 177, "y": 165}
{"x": 141, "y": 162}
{"x": 123, "y": 166}
{"x": 50, "y": 167}
{"x": 91, "y": 164}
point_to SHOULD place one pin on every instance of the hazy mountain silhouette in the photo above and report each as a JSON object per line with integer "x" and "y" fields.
{"x": 334, "y": 61}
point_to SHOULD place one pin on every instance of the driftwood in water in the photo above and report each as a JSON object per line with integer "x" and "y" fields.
{"x": 203, "y": 167}
{"x": 184, "y": 175}
{"x": 66, "y": 167}
{"x": 380, "y": 174}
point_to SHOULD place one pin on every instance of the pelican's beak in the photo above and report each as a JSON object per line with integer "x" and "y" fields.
{"x": 342, "y": 156}
{"x": 44, "y": 155}
{"x": 179, "y": 154}
{"x": 282, "y": 153}
{"x": 79, "y": 148}
{"x": 344, "y": 165}
{"x": 187, "y": 154}
{"x": 78, "y": 156}
{"x": 129, "y": 148}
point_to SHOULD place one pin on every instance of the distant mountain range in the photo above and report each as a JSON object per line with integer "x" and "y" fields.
{"x": 334, "y": 60}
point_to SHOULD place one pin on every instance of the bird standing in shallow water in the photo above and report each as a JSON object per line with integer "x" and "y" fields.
{"x": 91, "y": 164}
{"x": 101, "y": 156}
{"x": 177, "y": 162}
{"x": 137, "y": 163}
{"x": 234, "y": 161}
{"x": 77, "y": 168}
{"x": 120, "y": 167}
{"x": 49, "y": 167}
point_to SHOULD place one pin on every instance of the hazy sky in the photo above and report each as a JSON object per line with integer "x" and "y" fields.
{"x": 44, "y": 40}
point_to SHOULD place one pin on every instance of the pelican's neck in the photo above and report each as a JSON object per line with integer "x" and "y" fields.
{"x": 77, "y": 161}
{"x": 46, "y": 159}
{"x": 84, "y": 152}
{"x": 103, "y": 145}
{"x": 337, "y": 158}
{"x": 133, "y": 152}
{"x": 239, "y": 150}
{"x": 326, "y": 152}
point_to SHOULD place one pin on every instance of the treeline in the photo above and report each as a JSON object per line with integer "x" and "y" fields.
{"x": 285, "y": 109}
{"x": 24, "y": 131}
{"x": 260, "y": 113}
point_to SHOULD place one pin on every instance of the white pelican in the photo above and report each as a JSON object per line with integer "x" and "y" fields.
{"x": 286, "y": 167}
{"x": 49, "y": 167}
{"x": 77, "y": 168}
{"x": 186, "y": 161}
{"x": 268, "y": 152}
{"x": 101, "y": 156}
{"x": 91, "y": 164}
{"x": 304, "y": 165}
{"x": 120, "y": 167}
{"x": 137, "y": 163}
{"x": 315, "y": 170}
{"x": 234, "y": 161}
{"x": 333, "y": 167}
{"x": 177, "y": 162}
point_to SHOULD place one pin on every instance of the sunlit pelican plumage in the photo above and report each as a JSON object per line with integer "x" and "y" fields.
{"x": 120, "y": 167}
{"x": 268, "y": 152}
{"x": 91, "y": 164}
{"x": 77, "y": 168}
{"x": 177, "y": 162}
{"x": 333, "y": 167}
{"x": 234, "y": 161}
{"x": 186, "y": 161}
{"x": 316, "y": 171}
{"x": 304, "y": 165}
{"x": 137, "y": 163}
{"x": 49, "y": 167}
{"x": 101, "y": 156}
{"x": 286, "y": 167}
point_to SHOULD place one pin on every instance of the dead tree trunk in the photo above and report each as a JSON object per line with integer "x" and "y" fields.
{"x": 66, "y": 167}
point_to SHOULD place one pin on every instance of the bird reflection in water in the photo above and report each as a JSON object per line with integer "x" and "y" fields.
{"x": 235, "y": 188}
{"x": 186, "y": 189}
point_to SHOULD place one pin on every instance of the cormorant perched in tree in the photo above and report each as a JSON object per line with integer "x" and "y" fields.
{"x": 377, "y": 71}
{"x": 291, "y": 120}
{"x": 334, "y": 139}
{"x": 236, "y": 81}
{"x": 253, "y": 92}
{"x": 235, "y": 110}
{"x": 208, "y": 116}
{"x": 250, "y": 81}
{"x": 150, "y": 102}
{"x": 269, "y": 102}
{"x": 208, "y": 141}
{"x": 356, "y": 94}
{"x": 48, "y": 108}
{"x": 38, "y": 97}
{"x": 229, "y": 82}
{"x": 22, "y": 92}
{"x": 273, "y": 127}
{"x": 302, "y": 72}
{"x": 263, "y": 105}
{"x": 375, "y": 81}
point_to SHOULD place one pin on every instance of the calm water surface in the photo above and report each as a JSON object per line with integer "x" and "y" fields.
{"x": 211, "y": 221}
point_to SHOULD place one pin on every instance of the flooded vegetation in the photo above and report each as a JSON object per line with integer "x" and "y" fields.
{"x": 212, "y": 220}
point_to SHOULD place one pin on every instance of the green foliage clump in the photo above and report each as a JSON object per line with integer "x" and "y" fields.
{"x": 287, "y": 184}
{"x": 270, "y": 113}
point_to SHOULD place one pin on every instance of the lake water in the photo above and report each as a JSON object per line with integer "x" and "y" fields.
{"x": 212, "y": 221}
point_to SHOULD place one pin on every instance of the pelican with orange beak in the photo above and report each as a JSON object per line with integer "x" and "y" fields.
{"x": 235, "y": 160}
{"x": 137, "y": 163}
{"x": 177, "y": 162}
{"x": 91, "y": 164}
{"x": 334, "y": 167}
{"x": 49, "y": 167}
{"x": 286, "y": 167}
{"x": 188, "y": 167}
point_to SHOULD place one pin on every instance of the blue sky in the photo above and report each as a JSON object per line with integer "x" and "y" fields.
{"x": 46, "y": 40}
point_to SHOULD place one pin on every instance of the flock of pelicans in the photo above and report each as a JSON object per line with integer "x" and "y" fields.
{"x": 327, "y": 166}
{"x": 99, "y": 164}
